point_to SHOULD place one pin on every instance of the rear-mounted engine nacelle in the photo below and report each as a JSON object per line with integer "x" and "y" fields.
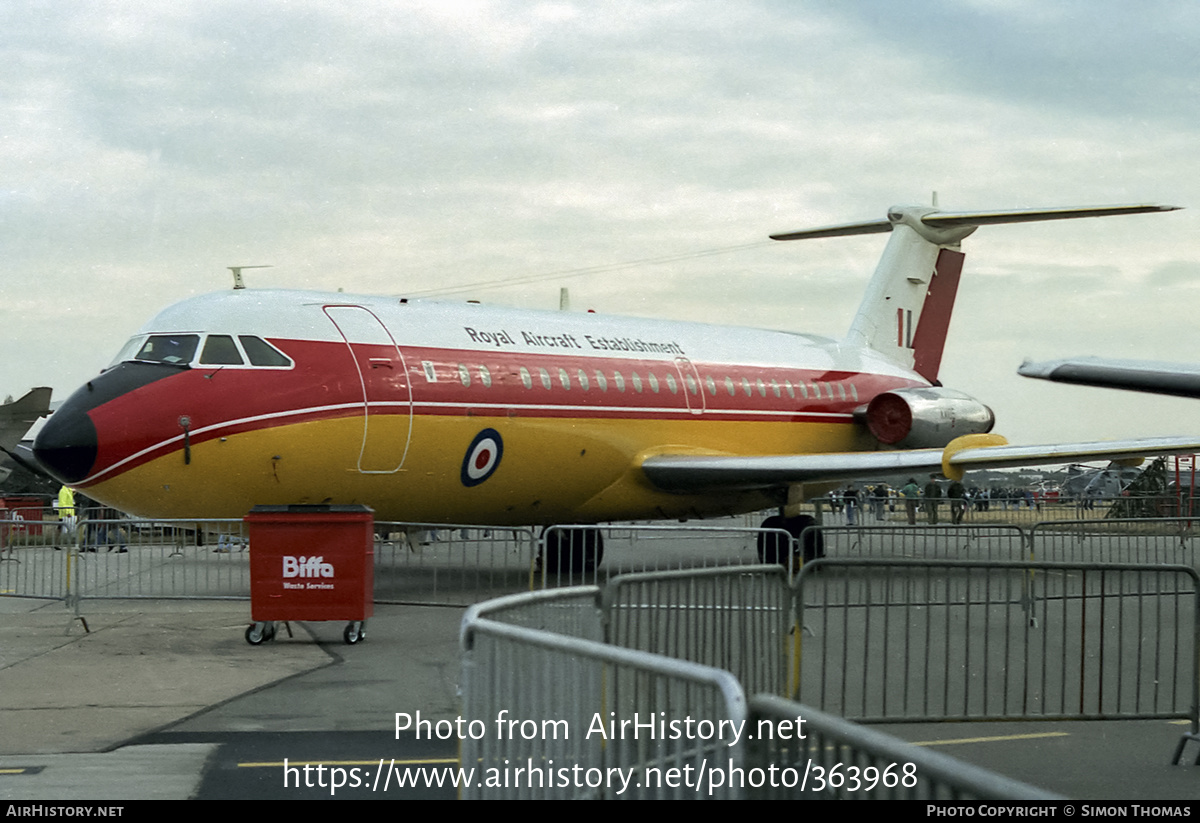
{"x": 926, "y": 418}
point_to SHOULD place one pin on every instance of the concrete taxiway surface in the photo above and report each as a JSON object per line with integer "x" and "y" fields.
{"x": 75, "y": 705}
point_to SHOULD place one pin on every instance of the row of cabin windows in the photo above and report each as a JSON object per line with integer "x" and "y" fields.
{"x": 601, "y": 381}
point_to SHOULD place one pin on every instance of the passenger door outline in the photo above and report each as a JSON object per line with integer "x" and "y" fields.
{"x": 383, "y": 377}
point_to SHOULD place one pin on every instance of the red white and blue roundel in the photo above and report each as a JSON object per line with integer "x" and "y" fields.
{"x": 482, "y": 458}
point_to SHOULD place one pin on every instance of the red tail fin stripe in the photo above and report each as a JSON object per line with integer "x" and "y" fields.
{"x": 930, "y": 339}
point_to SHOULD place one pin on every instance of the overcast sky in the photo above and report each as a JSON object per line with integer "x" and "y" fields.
{"x": 407, "y": 147}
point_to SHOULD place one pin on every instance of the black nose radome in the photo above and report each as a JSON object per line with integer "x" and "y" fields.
{"x": 66, "y": 445}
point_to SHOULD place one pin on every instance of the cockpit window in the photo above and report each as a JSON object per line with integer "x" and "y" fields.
{"x": 220, "y": 350}
{"x": 262, "y": 353}
{"x": 176, "y": 349}
{"x": 216, "y": 350}
{"x": 127, "y": 352}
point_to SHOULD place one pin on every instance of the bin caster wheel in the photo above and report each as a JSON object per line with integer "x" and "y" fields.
{"x": 269, "y": 630}
{"x": 255, "y": 634}
{"x": 354, "y": 633}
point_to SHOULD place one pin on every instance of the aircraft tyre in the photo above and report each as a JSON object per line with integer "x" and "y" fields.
{"x": 813, "y": 543}
{"x": 572, "y": 550}
{"x": 772, "y": 548}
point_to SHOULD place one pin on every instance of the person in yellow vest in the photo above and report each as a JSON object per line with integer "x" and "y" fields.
{"x": 66, "y": 512}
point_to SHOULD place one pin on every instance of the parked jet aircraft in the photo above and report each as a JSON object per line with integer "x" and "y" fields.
{"x": 463, "y": 413}
{"x": 16, "y": 416}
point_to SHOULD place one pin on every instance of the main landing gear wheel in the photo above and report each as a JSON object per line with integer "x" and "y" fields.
{"x": 356, "y": 630}
{"x": 774, "y": 548}
{"x": 572, "y": 550}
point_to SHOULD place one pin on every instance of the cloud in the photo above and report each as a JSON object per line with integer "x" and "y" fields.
{"x": 384, "y": 147}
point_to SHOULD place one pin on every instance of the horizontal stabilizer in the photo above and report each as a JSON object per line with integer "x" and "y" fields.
{"x": 950, "y": 220}
{"x": 840, "y": 230}
{"x": 905, "y": 312}
{"x": 690, "y": 473}
{"x": 992, "y": 218}
{"x": 1177, "y": 379}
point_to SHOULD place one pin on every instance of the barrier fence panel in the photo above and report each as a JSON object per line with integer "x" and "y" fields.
{"x": 1166, "y": 540}
{"x": 450, "y": 565}
{"x": 572, "y": 612}
{"x": 93, "y": 558}
{"x": 962, "y": 542}
{"x": 29, "y": 525}
{"x": 555, "y": 717}
{"x": 181, "y": 558}
{"x": 571, "y": 554}
{"x": 31, "y": 569}
{"x": 35, "y": 558}
{"x": 829, "y": 757}
{"x": 936, "y": 640}
{"x": 738, "y": 619}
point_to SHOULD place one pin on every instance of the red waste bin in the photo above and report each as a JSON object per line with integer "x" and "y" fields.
{"x": 310, "y": 563}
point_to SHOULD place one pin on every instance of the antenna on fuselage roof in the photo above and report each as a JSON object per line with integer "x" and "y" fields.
{"x": 238, "y": 283}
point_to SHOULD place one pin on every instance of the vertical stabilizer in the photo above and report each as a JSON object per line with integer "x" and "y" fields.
{"x": 906, "y": 310}
{"x": 905, "y": 313}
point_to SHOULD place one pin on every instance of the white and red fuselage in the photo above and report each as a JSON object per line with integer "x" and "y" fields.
{"x": 443, "y": 412}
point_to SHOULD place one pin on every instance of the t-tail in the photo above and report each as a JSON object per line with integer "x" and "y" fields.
{"x": 905, "y": 313}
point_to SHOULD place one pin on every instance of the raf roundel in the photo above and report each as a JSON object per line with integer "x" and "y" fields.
{"x": 482, "y": 458}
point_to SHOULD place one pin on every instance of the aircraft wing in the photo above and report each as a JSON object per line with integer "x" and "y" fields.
{"x": 694, "y": 473}
{"x": 17, "y": 416}
{"x": 1178, "y": 379}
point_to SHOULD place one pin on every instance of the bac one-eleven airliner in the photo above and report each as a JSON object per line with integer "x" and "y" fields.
{"x": 464, "y": 413}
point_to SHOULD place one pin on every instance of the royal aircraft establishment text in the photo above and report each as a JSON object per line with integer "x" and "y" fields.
{"x": 502, "y": 338}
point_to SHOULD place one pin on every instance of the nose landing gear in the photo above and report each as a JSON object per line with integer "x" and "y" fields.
{"x": 774, "y": 548}
{"x": 570, "y": 551}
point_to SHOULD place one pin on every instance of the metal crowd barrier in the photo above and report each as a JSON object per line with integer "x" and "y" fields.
{"x": 962, "y": 542}
{"x": 175, "y": 559}
{"x": 546, "y": 705}
{"x": 853, "y": 762}
{"x": 1127, "y": 540}
{"x": 29, "y": 564}
{"x": 888, "y": 641}
{"x": 455, "y": 565}
{"x": 572, "y": 554}
{"x": 738, "y": 619}
{"x": 572, "y": 612}
{"x": 93, "y": 558}
{"x": 555, "y": 716}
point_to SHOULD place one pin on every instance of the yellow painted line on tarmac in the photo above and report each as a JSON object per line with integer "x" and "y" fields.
{"x": 996, "y": 739}
{"x": 280, "y": 764}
